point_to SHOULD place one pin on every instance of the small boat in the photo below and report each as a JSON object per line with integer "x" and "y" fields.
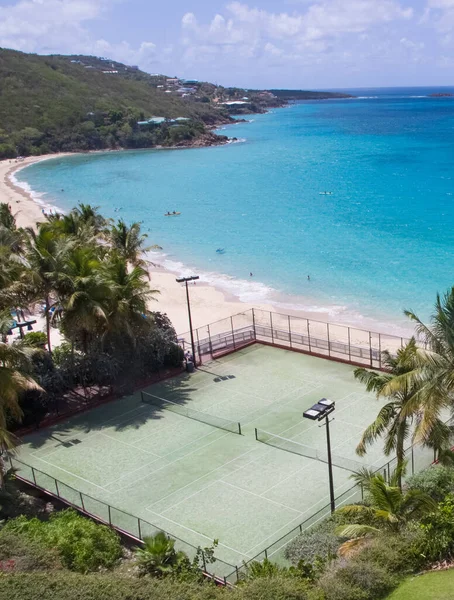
{"x": 326, "y": 193}
{"x": 220, "y": 251}
{"x": 172, "y": 214}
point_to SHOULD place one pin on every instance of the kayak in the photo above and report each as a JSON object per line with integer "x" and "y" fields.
{"x": 175, "y": 214}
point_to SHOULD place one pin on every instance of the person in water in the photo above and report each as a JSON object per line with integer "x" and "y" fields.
{"x": 250, "y": 274}
{"x": 308, "y": 277}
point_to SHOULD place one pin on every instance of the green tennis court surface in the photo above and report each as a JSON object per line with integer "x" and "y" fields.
{"x": 200, "y": 482}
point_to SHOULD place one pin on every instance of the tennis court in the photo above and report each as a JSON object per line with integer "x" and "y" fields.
{"x": 174, "y": 456}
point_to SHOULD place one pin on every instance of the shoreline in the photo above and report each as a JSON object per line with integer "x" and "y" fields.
{"x": 210, "y": 301}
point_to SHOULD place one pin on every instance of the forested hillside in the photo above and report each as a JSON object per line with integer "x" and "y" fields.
{"x": 50, "y": 104}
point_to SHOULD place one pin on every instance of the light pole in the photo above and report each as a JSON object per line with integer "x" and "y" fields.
{"x": 317, "y": 412}
{"x": 185, "y": 281}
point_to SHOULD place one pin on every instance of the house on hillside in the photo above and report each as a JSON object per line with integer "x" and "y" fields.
{"x": 152, "y": 121}
{"x": 235, "y": 103}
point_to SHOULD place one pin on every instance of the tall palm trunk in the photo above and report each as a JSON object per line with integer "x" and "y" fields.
{"x": 400, "y": 452}
{"x": 47, "y": 302}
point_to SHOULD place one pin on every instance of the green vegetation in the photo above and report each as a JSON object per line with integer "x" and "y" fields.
{"x": 436, "y": 586}
{"x": 90, "y": 279}
{"x": 49, "y": 104}
{"x": 81, "y": 544}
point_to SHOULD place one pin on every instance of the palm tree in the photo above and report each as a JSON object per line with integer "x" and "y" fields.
{"x": 130, "y": 294}
{"x": 84, "y": 295}
{"x": 129, "y": 242}
{"x": 90, "y": 216}
{"x": 394, "y": 420}
{"x": 158, "y": 557}
{"x": 434, "y": 373}
{"x": 14, "y": 378}
{"x": 46, "y": 255}
{"x": 386, "y": 507}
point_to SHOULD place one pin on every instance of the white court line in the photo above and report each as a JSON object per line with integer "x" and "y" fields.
{"x": 129, "y": 445}
{"x": 176, "y": 460}
{"x": 130, "y": 473}
{"x": 294, "y": 474}
{"x": 197, "y": 533}
{"x": 70, "y": 473}
{"x": 86, "y": 435}
{"x": 263, "y": 543}
{"x": 205, "y": 475}
{"x": 165, "y": 455}
{"x": 257, "y": 496}
{"x": 268, "y": 408}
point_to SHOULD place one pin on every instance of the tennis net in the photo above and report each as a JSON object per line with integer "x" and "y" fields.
{"x": 191, "y": 413}
{"x": 296, "y": 448}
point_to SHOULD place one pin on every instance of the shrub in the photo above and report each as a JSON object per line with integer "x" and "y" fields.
{"x": 357, "y": 580}
{"x": 34, "y": 339}
{"x": 19, "y": 553}
{"x": 81, "y": 544}
{"x": 438, "y": 529}
{"x": 398, "y": 553}
{"x": 74, "y": 586}
{"x": 437, "y": 482}
{"x": 174, "y": 356}
{"x": 319, "y": 541}
{"x": 274, "y": 588}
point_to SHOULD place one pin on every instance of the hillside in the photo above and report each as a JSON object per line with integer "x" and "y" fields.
{"x": 79, "y": 103}
{"x": 50, "y": 104}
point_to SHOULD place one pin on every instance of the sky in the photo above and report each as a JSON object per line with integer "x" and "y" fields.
{"x": 300, "y": 44}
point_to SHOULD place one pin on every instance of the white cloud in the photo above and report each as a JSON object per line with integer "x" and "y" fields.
{"x": 411, "y": 45}
{"x": 306, "y": 34}
{"x": 60, "y": 26}
{"x": 440, "y": 4}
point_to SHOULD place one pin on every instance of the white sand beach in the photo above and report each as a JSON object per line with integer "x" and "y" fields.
{"x": 208, "y": 303}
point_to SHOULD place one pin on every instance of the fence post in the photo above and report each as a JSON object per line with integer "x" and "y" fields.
{"x": 266, "y": 553}
{"x": 271, "y": 323}
{"x": 209, "y": 341}
{"x": 327, "y": 335}
{"x": 309, "y": 336}
{"x": 198, "y": 345}
{"x": 139, "y": 529}
{"x": 289, "y": 332}
{"x": 233, "y": 333}
{"x": 82, "y": 501}
{"x": 110, "y": 515}
{"x": 253, "y": 324}
{"x": 34, "y": 476}
{"x": 56, "y": 487}
{"x": 237, "y": 573}
{"x": 204, "y": 561}
{"x": 349, "y": 346}
{"x": 370, "y": 348}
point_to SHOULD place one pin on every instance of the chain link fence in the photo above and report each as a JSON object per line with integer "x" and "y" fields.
{"x": 327, "y": 340}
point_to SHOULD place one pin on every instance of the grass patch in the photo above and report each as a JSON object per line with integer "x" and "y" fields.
{"x": 438, "y": 585}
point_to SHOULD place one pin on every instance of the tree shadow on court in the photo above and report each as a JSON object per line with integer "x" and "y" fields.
{"x": 129, "y": 412}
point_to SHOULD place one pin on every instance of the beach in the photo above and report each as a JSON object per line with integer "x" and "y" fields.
{"x": 208, "y": 304}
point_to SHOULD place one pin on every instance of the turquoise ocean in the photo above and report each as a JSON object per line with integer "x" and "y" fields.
{"x": 381, "y": 242}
